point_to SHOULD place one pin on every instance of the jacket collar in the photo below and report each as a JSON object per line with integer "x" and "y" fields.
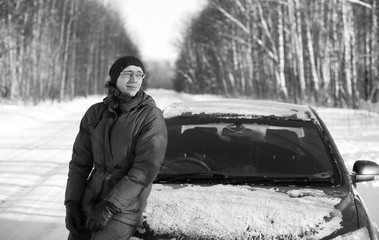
{"x": 119, "y": 102}
{"x": 127, "y": 104}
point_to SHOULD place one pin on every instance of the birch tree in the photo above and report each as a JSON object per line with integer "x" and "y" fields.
{"x": 44, "y": 48}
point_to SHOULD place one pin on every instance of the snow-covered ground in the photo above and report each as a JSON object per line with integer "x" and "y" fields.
{"x": 15, "y": 118}
{"x": 356, "y": 132}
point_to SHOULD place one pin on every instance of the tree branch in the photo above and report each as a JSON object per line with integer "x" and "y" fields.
{"x": 361, "y": 3}
{"x": 233, "y": 19}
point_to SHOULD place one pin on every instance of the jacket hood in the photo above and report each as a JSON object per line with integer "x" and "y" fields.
{"x": 244, "y": 212}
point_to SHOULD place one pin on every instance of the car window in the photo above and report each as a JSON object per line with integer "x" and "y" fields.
{"x": 247, "y": 148}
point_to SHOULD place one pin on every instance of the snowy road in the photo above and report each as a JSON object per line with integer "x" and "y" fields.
{"x": 34, "y": 164}
{"x": 33, "y": 173}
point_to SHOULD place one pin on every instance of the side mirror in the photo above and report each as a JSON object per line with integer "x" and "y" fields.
{"x": 365, "y": 170}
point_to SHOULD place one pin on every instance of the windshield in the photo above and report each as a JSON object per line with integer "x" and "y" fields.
{"x": 238, "y": 149}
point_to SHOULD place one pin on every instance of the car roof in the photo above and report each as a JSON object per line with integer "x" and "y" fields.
{"x": 240, "y": 108}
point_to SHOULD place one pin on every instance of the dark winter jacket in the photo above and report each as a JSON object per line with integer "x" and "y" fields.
{"x": 117, "y": 155}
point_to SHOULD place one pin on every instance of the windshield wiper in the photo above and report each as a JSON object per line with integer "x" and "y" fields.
{"x": 189, "y": 177}
{"x": 302, "y": 180}
{"x": 265, "y": 180}
{"x": 238, "y": 180}
{"x": 249, "y": 180}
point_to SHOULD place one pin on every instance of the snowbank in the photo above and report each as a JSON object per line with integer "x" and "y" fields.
{"x": 341, "y": 122}
{"x": 349, "y": 123}
{"x": 15, "y": 118}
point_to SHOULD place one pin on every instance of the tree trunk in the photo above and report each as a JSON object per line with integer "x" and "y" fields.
{"x": 347, "y": 51}
{"x": 62, "y": 52}
{"x": 89, "y": 69}
{"x": 13, "y": 64}
{"x": 315, "y": 79}
{"x": 296, "y": 21}
{"x": 73, "y": 72}
{"x": 282, "y": 80}
{"x": 374, "y": 48}
{"x": 327, "y": 51}
{"x": 334, "y": 66}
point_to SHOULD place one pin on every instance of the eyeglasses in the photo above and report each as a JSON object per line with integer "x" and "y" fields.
{"x": 137, "y": 75}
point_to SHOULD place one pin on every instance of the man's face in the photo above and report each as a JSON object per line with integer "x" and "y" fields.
{"x": 130, "y": 80}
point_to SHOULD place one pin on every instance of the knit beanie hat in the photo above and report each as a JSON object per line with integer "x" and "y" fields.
{"x": 120, "y": 64}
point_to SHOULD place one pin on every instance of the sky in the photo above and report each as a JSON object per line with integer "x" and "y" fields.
{"x": 157, "y": 25}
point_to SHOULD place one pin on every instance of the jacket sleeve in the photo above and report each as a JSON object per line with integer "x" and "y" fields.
{"x": 149, "y": 153}
{"x": 81, "y": 162}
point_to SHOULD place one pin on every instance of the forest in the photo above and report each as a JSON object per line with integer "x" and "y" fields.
{"x": 54, "y": 49}
{"x": 322, "y": 52}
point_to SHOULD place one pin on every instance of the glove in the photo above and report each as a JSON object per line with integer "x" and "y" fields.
{"x": 103, "y": 212}
{"x": 73, "y": 218}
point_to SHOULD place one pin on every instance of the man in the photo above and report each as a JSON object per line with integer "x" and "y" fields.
{"x": 116, "y": 156}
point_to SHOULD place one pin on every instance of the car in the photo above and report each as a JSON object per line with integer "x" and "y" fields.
{"x": 250, "y": 169}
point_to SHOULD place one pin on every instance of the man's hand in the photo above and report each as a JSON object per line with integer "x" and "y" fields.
{"x": 73, "y": 218}
{"x": 103, "y": 212}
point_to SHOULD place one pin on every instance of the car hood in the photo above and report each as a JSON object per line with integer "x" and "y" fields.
{"x": 246, "y": 212}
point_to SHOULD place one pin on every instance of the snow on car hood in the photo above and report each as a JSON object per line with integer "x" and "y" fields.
{"x": 241, "y": 212}
{"x": 238, "y": 107}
